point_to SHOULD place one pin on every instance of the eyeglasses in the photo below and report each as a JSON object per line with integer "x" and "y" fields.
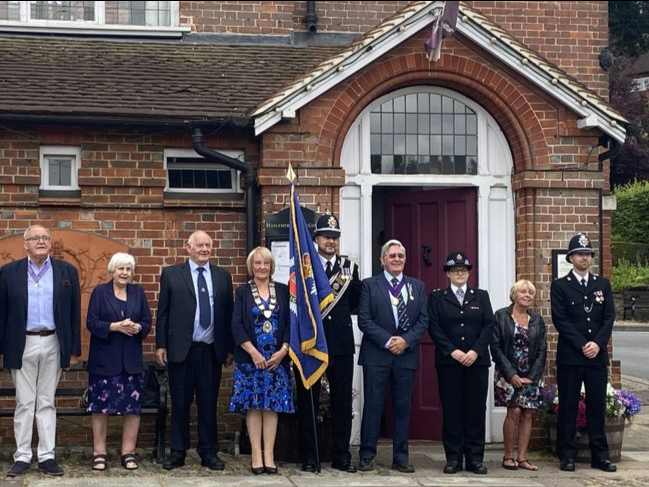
{"x": 397, "y": 256}
{"x": 461, "y": 270}
{"x": 42, "y": 238}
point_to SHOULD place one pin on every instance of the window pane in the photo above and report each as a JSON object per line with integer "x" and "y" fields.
{"x": 399, "y": 124}
{"x": 151, "y": 14}
{"x": 411, "y": 103}
{"x": 55, "y": 173}
{"x": 66, "y": 173}
{"x": 422, "y": 103}
{"x": 60, "y": 171}
{"x": 400, "y": 104}
{"x": 386, "y": 123}
{"x": 460, "y": 124}
{"x": 423, "y": 124}
{"x": 375, "y": 123}
{"x": 411, "y": 144}
{"x": 399, "y": 144}
{"x": 63, "y": 11}
{"x": 411, "y": 124}
{"x": 435, "y": 104}
{"x": 447, "y": 124}
{"x": 10, "y": 10}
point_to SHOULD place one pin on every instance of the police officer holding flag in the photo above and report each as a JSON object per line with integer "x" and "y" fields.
{"x": 337, "y": 323}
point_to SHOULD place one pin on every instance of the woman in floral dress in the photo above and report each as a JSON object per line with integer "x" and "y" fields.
{"x": 261, "y": 382}
{"x": 519, "y": 350}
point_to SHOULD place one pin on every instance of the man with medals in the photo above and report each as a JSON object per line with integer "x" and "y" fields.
{"x": 337, "y": 324}
{"x": 40, "y": 314}
{"x": 392, "y": 316}
{"x": 583, "y": 313}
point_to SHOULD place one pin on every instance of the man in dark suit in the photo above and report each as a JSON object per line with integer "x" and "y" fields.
{"x": 462, "y": 326}
{"x": 392, "y": 316}
{"x": 40, "y": 314}
{"x": 583, "y": 313}
{"x": 194, "y": 338}
{"x": 337, "y": 322}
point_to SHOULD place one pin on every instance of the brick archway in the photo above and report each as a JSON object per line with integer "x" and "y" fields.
{"x": 89, "y": 253}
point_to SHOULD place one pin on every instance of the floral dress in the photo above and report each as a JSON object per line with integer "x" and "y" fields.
{"x": 252, "y": 388}
{"x": 529, "y": 396}
{"x": 119, "y": 394}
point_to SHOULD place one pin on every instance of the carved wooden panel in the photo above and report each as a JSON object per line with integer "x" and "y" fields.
{"x": 89, "y": 253}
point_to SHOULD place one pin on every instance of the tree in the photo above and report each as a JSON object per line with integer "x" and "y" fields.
{"x": 629, "y": 27}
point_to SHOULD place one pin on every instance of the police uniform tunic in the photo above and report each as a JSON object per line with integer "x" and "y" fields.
{"x": 462, "y": 390}
{"x": 339, "y": 333}
{"x": 581, "y": 315}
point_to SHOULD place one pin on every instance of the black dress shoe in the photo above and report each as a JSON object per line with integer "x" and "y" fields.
{"x": 257, "y": 470}
{"x": 477, "y": 467}
{"x": 567, "y": 465}
{"x": 453, "y": 467}
{"x": 344, "y": 467}
{"x": 213, "y": 462}
{"x": 605, "y": 465}
{"x": 366, "y": 465}
{"x": 174, "y": 460}
{"x": 403, "y": 467}
{"x": 271, "y": 470}
{"x": 309, "y": 467}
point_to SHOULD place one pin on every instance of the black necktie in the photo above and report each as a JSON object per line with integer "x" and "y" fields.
{"x": 204, "y": 312}
{"x": 402, "y": 316}
{"x": 583, "y": 282}
{"x": 328, "y": 270}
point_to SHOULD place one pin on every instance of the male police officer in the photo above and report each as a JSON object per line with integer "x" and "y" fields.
{"x": 337, "y": 322}
{"x": 583, "y": 313}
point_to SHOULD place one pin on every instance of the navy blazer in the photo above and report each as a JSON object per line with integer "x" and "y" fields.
{"x": 114, "y": 352}
{"x": 243, "y": 326}
{"x": 13, "y": 311}
{"x": 502, "y": 345}
{"x": 376, "y": 321}
{"x": 177, "y": 309}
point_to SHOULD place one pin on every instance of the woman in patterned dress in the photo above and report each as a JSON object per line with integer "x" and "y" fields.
{"x": 119, "y": 319}
{"x": 519, "y": 350}
{"x": 261, "y": 382}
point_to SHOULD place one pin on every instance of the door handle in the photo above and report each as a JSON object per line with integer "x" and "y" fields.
{"x": 426, "y": 249}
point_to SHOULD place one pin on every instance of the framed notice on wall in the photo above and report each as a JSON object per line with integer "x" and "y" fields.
{"x": 560, "y": 266}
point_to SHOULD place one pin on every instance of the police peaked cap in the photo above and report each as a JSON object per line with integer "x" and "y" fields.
{"x": 457, "y": 259}
{"x": 327, "y": 226}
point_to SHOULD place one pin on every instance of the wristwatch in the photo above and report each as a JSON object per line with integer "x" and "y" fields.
{"x": 285, "y": 347}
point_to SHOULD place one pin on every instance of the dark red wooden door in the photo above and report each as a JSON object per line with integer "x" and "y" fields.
{"x": 430, "y": 224}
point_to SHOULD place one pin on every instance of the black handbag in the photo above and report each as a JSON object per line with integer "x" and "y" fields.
{"x": 150, "y": 388}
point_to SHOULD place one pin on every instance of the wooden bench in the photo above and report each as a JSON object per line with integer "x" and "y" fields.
{"x": 74, "y": 394}
{"x": 635, "y": 300}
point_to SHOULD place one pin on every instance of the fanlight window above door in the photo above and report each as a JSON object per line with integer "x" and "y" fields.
{"x": 424, "y": 133}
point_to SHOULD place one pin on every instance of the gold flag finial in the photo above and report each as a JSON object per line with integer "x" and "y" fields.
{"x": 290, "y": 174}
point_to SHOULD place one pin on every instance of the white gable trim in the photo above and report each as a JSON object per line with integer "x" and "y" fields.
{"x": 370, "y": 49}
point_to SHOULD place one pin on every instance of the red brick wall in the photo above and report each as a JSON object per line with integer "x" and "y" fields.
{"x": 122, "y": 178}
{"x": 569, "y": 34}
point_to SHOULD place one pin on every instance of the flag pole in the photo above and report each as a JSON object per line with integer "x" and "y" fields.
{"x": 315, "y": 433}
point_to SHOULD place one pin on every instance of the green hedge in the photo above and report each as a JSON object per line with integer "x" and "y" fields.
{"x": 631, "y": 219}
{"x": 627, "y": 274}
{"x": 636, "y": 253}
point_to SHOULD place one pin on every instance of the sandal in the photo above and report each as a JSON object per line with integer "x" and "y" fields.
{"x": 129, "y": 461}
{"x": 525, "y": 465}
{"x": 509, "y": 466}
{"x": 99, "y": 461}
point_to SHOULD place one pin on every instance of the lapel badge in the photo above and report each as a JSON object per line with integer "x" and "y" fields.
{"x": 410, "y": 293}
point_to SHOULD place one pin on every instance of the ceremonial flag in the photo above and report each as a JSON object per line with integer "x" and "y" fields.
{"x": 310, "y": 293}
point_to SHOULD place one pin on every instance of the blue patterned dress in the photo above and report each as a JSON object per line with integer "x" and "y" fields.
{"x": 529, "y": 396}
{"x": 271, "y": 390}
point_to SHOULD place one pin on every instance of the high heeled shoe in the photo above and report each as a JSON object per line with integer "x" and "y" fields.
{"x": 257, "y": 470}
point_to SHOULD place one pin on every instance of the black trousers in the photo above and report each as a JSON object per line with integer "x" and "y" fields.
{"x": 569, "y": 380}
{"x": 463, "y": 393}
{"x": 340, "y": 374}
{"x": 200, "y": 375}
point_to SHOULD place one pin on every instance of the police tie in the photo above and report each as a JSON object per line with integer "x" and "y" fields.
{"x": 402, "y": 315}
{"x": 459, "y": 294}
{"x": 204, "y": 312}
{"x": 583, "y": 282}
{"x": 328, "y": 270}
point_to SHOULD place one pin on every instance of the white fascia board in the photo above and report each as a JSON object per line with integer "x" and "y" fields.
{"x": 540, "y": 78}
{"x": 354, "y": 63}
{"x": 35, "y": 27}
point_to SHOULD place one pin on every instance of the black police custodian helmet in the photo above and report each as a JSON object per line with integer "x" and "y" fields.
{"x": 327, "y": 226}
{"x": 457, "y": 259}
{"x": 579, "y": 243}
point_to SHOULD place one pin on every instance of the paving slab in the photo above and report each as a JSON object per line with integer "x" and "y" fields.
{"x": 357, "y": 480}
{"x": 92, "y": 482}
{"x": 230, "y": 481}
{"x": 477, "y": 481}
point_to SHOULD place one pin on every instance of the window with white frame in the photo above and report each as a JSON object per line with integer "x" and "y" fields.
{"x": 188, "y": 172}
{"x": 80, "y": 14}
{"x": 59, "y": 168}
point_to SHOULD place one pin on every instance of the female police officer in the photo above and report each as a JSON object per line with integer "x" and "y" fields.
{"x": 461, "y": 325}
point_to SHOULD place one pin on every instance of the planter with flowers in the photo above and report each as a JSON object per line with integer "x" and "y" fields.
{"x": 621, "y": 406}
